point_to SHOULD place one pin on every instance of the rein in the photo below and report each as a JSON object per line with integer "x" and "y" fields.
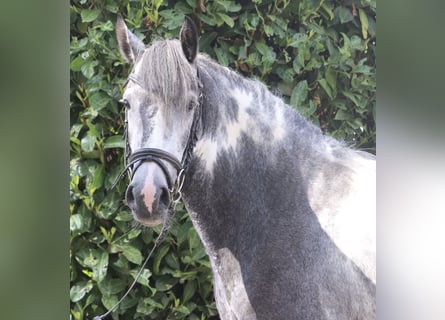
{"x": 134, "y": 159}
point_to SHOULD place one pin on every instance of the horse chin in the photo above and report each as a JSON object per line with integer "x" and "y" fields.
{"x": 151, "y": 221}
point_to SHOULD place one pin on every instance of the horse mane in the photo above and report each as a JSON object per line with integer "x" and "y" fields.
{"x": 166, "y": 73}
{"x": 312, "y": 141}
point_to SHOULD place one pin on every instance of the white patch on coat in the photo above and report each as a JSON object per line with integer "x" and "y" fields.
{"x": 242, "y": 124}
{"x": 207, "y": 150}
{"x": 148, "y": 192}
{"x": 235, "y": 129}
{"x": 229, "y": 134}
{"x": 352, "y": 226}
{"x": 280, "y": 124}
{"x": 243, "y": 98}
{"x": 135, "y": 127}
{"x": 230, "y": 294}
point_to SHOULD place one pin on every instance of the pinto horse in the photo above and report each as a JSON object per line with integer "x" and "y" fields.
{"x": 286, "y": 214}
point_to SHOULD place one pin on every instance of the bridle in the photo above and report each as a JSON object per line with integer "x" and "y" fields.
{"x": 132, "y": 160}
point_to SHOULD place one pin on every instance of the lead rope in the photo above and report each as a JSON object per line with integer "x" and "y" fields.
{"x": 171, "y": 211}
{"x": 157, "y": 242}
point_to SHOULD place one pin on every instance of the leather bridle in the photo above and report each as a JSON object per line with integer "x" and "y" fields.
{"x": 134, "y": 159}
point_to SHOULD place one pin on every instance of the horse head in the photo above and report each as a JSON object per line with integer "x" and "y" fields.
{"x": 160, "y": 98}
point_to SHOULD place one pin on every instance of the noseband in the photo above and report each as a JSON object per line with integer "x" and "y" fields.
{"x": 134, "y": 159}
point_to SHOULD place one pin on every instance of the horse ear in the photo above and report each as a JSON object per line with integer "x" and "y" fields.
{"x": 129, "y": 44}
{"x": 189, "y": 39}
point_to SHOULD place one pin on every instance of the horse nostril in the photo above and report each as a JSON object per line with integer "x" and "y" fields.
{"x": 164, "y": 198}
{"x": 129, "y": 196}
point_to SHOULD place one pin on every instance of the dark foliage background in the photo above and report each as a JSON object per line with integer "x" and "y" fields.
{"x": 319, "y": 55}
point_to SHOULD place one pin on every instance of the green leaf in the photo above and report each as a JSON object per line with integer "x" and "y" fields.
{"x": 131, "y": 253}
{"x": 173, "y": 19}
{"x": 159, "y": 254}
{"x": 89, "y": 15}
{"x": 144, "y": 278}
{"x": 351, "y": 97}
{"x": 79, "y": 223}
{"x": 107, "y": 26}
{"x": 262, "y": 48}
{"x": 114, "y": 142}
{"x": 199, "y": 253}
{"x": 157, "y": 3}
{"x": 297, "y": 40}
{"x": 94, "y": 259}
{"x": 268, "y": 30}
{"x": 80, "y": 289}
{"x": 331, "y": 78}
{"x": 148, "y": 306}
{"x": 324, "y": 84}
{"x": 356, "y": 43}
{"x": 76, "y": 64}
{"x": 133, "y": 233}
{"x": 207, "y": 19}
{"x": 222, "y": 56}
{"x": 267, "y": 52}
{"x": 229, "y": 6}
{"x": 128, "y": 303}
{"x": 88, "y": 142}
{"x": 298, "y": 64}
{"x": 111, "y": 286}
{"x": 124, "y": 216}
{"x": 172, "y": 261}
{"x": 229, "y": 21}
{"x": 328, "y": 11}
{"x": 194, "y": 241}
{"x": 189, "y": 290}
{"x": 316, "y": 28}
{"x": 99, "y": 100}
{"x": 371, "y": 27}
{"x": 165, "y": 283}
{"x": 344, "y": 14}
{"x": 364, "y": 23}
{"x": 98, "y": 179}
{"x": 109, "y": 301}
{"x": 100, "y": 268}
{"x": 362, "y": 68}
{"x": 206, "y": 40}
{"x": 88, "y": 68}
{"x": 111, "y": 7}
{"x": 183, "y": 310}
{"x": 192, "y": 3}
{"x": 342, "y": 115}
{"x": 299, "y": 94}
{"x": 312, "y": 108}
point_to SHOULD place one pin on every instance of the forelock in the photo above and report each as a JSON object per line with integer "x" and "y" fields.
{"x": 165, "y": 72}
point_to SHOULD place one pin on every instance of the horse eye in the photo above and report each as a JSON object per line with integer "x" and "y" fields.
{"x": 191, "y": 105}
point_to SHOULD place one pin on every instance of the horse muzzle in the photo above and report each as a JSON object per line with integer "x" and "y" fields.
{"x": 148, "y": 194}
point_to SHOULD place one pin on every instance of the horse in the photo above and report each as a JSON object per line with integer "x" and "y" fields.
{"x": 286, "y": 213}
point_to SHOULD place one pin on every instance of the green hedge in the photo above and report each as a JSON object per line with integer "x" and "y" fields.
{"x": 319, "y": 55}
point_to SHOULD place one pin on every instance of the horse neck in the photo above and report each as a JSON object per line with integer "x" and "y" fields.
{"x": 251, "y": 145}
{"x": 238, "y": 111}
